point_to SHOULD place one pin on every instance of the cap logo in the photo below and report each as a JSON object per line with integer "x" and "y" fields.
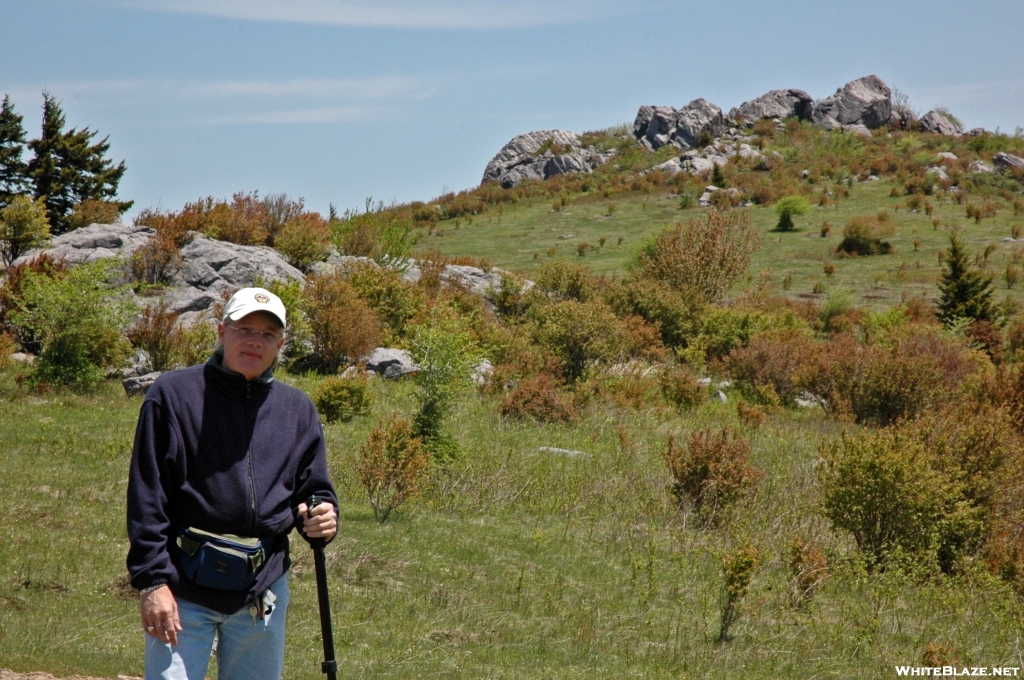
{"x": 260, "y": 297}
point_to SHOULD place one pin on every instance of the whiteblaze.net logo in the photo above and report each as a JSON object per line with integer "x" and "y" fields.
{"x": 958, "y": 671}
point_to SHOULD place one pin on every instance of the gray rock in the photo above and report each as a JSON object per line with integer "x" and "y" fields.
{"x": 210, "y": 265}
{"x": 482, "y": 371}
{"x": 97, "y": 241}
{"x": 720, "y": 396}
{"x": 139, "y": 385}
{"x": 938, "y": 171}
{"x": 1006, "y": 160}
{"x": 947, "y": 156}
{"x": 522, "y": 159}
{"x": 656, "y": 126}
{"x": 23, "y": 358}
{"x": 980, "y": 166}
{"x": 569, "y": 453}
{"x": 866, "y": 101}
{"x": 933, "y": 121}
{"x": 776, "y": 104}
{"x": 858, "y": 129}
{"x": 701, "y": 165}
{"x": 673, "y": 166}
{"x": 389, "y": 362}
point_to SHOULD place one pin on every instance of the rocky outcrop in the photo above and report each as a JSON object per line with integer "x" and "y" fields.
{"x": 1006, "y": 160}
{"x": 656, "y": 126}
{"x": 139, "y": 385}
{"x": 540, "y": 155}
{"x": 389, "y": 362}
{"x": 866, "y": 101}
{"x": 95, "y": 242}
{"x": 933, "y": 121}
{"x": 776, "y": 104}
{"x": 720, "y": 152}
{"x": 474, "y": 279}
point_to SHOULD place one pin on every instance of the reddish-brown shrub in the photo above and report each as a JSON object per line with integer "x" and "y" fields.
{"x": 155, "y": 333}
{"x": 809, "y": 566}
{"x": 537, "y": 397}
{"x": 342, "y": 325}
{"x": 303, "y": 239}
{"x": 711, "y": 471}
{"x": 751, "y": 416}
{"x": 391, "y": 462}
{"x": 987, "y": 337}
{"x": 680, "y": 388}
{"x": 772, "y": 359}
{"x": 642, "y": 339}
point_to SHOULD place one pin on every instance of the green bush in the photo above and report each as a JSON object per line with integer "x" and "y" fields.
{"x": 342, "y": 325}
{"x": 446, "y": 353}
{"x": 675, "y": 312}
{"x": 341, "y": 398}
{"x": 787, "y": 207}
{"x": 560, "y": 280}
{"x": 23, "y": 226}
{"x": 80, "y": 320}
{"x": 680, "y": 388}
{"x": 863, "y": 236}
{"x": 7, "y": 348}
{"x": 382, "y": 235}
{"x": 723, "y": 329}
{"x": 298, "y": 336}
{"x": 393, "y": 300}
{"x": 303, "y": 239}
{"x": 580, "y": 334}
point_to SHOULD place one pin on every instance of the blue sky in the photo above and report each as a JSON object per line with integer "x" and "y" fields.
{"x": 339, "y": 100}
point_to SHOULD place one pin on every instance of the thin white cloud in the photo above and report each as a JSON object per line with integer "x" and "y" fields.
{"x": 424, "y": 14}
{"x": 337, "y": 114}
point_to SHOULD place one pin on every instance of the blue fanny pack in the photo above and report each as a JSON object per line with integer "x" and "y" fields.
{"x": 221, "y": 561}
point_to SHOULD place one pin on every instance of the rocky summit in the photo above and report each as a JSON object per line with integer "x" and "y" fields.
{"x": 540, "y": 155}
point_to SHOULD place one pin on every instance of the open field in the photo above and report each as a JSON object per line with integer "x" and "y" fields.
{"x": 516, "y": 562}
{"x": 511, "y": 237}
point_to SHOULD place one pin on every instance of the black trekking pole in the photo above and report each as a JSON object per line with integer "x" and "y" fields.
{"x": 329, "y": 665}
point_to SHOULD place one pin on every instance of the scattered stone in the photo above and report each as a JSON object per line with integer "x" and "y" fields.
{"x": 776, "y": 104}
{"x": 866, "y": 101}
{"x": 704, "y": 382}
{"x": 355, "y": 372}
{"x": 720, "y": 396}
{"x": 390, "y": 362}
{"x": 980, "y": 166}
{"x": 938, "y": 171}
{"x": 23, "y": 358}
{"x": 935, "y": 122}
{"x": 539, "y": 155}
{"x": 482, "y": 371}
{"x": 139, "y": 385}
{"x": 95, "y": 242}
{"x": 857, "y": 129}
{"x": 947, "y": 156}
{"x": 565, "y": 452}
{"x": 1006, "y": 160}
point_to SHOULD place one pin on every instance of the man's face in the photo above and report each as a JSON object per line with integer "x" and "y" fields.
{"x": 245, "y": 351}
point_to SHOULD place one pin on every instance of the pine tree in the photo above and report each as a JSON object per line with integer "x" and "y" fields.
{"x": 965, "y": 292}
{"x": 67, "y": 169}
{"x": 13, "y": 170}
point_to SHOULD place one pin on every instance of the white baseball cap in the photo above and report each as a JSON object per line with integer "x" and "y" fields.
{"x": 249, "y": 300}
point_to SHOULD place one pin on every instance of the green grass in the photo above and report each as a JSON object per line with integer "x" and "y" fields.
{"x": 510, "y": 238}
{"x": 515, "y": 563}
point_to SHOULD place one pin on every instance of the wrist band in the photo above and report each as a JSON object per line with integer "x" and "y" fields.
{"x": 150, "y": 589}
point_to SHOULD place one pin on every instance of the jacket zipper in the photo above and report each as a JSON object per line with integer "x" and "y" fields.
{"x": 248, "y": 459}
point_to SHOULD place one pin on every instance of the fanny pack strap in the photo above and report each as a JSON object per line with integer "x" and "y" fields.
{"x": 191, "y": 546}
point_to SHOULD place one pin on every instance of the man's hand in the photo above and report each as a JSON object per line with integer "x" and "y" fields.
{"x": 320, "y": 522}
{"x": 159, "y": 613}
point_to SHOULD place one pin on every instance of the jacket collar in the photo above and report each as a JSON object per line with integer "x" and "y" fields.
{"x": 236, "y": 381}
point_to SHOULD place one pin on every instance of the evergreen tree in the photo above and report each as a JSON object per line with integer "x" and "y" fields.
{"x": 67, "y": 169}
{"x": 965, "y": 292}
{"x": 13, "y": 170}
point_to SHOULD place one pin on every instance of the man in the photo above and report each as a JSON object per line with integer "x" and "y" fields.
{"x": 224, "y": 449}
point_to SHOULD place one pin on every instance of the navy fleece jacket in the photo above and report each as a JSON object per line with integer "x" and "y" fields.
{"x": 227, "y": 455}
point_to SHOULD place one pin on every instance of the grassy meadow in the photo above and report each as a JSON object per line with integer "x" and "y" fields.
{"x": 515, "y": 563}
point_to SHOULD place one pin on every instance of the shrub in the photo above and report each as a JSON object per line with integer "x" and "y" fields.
{"x": 772, "y": 359}
{"x": 80, "y": 320}
{"x": 93, "y": 211}
{"x": 537, "y": 397}
{"x": 242, "y": 221}
{"x": 279, "y": 209}
{"x": 787, "y": 207}
{"x": 391, "y": 462}
{"x": 722, "y": 329}
{"x": 380, "y": 234}
{"x": 7, "y": 348}
{"x": 560, "y": 280}
{"x": 711, "y": 471}
{"x": 23, "y": 226}
{"x": 194, "y": 343}
{"x": 680, "y": 388}
{"x": 303, "y": 239}
{"x": 446, "y": 354}
{"x": 863, "y": 236}
{"x": 738, "y": 569}
{"x": 675, "y": 313}
{"x": 580, "y": 334}
{"x": 704, "y": 256}
{"x": 751, "y": 416}
{"x": 809, "y": 567}
{"x": 341, "y": 398}
{"x": 393, "y": 300}
{"x": 11, "y": 295}
{"x": 154, "y": 331}
{"x": 964, "y": 291}
{"x": 342, "y": 326}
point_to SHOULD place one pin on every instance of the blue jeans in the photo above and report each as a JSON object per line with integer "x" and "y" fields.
{"x": 247, "y": 649}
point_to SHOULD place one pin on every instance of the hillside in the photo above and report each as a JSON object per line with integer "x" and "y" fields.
{"x": 699, "y": 448}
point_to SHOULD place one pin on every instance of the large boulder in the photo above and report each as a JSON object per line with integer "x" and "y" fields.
{"x": 215, "y": 266}
{"x": 656, "y": 126}
{"x": 776, "y": 104}
{"x": 95, "y": 242}
{"x": 1007, "y": 160}
{"x": 933, "y": 121}
{"x": 539, "y": 155}
{"x": 389, "y": 362}
{"x": 866, "y": 101}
